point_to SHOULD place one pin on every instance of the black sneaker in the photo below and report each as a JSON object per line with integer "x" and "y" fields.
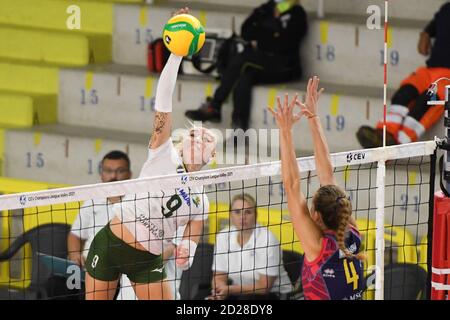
{"x": 206, "y": 112}
{"x": 390, "y": 140}
{"x": 237, "y": 124}
{"x": 370, "y": 137}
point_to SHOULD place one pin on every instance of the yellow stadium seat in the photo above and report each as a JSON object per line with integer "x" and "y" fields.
{"x": 281, "y": 227}
{"x": 96, "y": 21}
{"x": 218, "y": 218}
{"x": 2, "y": 150}
{"x": 16, "y": 110}
{"x": 123, "y": 1}
{"x": 403, "y": 242}
{"x": 44, "y": 46}
{"x": 59, "y": 213}
{"x": 100, "y": 48}
{"x": 273, "y": 218}
{"x": 31, "y": 217}
{"x": 285, "y": 233}
{"x": 25, "y": 110}
{"x": 423, "y": 253}
{"x": 11, "y": 185}
{"x": 398, "y": 238}
{"x": 96, "y": 17}
{"x": 28, "y": 78}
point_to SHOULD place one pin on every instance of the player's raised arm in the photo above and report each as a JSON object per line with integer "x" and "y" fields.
{"x": 162, "y": 123}
{"x": 324, "y": 167}
{"x": 306, "y": 229}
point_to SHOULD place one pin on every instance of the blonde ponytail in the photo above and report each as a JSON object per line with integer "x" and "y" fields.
{"x": 335, "y": 209}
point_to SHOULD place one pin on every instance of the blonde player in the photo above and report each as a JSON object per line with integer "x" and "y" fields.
{"x": 145, "y": 224}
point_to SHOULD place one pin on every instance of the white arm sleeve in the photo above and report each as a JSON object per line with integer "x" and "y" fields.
{"x": 166, "y": 84}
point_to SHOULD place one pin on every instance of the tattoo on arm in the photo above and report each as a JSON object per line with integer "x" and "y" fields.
{"x": 158, "y": 125}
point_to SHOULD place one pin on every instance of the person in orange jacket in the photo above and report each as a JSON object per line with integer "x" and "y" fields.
{"x": 409, "y": 116}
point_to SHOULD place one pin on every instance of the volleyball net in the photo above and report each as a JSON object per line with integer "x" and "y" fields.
{"x": 391, "y": 190}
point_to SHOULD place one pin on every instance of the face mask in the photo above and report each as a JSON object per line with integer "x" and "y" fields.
{"x": 284, "y": 6}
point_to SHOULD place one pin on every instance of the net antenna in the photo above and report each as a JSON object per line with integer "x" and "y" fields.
{"x": 386, "y": 27}
{"x": 381, "y": 179}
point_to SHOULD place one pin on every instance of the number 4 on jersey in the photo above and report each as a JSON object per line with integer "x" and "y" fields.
{"x": 351, "y": 275}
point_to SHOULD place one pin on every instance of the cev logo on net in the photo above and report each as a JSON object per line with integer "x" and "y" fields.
{"x": 23, "y": 200}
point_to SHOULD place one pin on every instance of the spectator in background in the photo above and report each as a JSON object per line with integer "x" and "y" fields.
{"x": 275, "y": 31}
{"x": 95, "y": 214}
{"x": 409, "y": 116}
{"x": 249, "y": 256}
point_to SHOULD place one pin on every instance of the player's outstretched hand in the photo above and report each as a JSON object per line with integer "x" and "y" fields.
{"x": 310, "y": 106}
{"x": 284, "y": 115}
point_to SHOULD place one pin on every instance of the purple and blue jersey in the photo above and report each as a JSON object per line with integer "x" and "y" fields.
{"x": 332, "y": 276}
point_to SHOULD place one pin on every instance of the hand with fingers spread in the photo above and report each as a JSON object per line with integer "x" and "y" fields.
{"x": 310, "y": 106}
{"x": 284, "y": 114}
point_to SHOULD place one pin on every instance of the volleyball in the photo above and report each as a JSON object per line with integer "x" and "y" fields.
{"x": 184, "y": 35}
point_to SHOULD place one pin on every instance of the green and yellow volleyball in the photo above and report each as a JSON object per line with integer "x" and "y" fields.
{"x": 184, "y": 35}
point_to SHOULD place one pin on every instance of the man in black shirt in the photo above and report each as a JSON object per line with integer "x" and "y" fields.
{"x": 409, "y": 116}
{"x": 275, "y": 31}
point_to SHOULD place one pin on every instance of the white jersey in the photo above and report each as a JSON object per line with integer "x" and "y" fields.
{"x": 95, "y": 215}
{"x": 153, "y": 217}
{"x": 260, "y": 255}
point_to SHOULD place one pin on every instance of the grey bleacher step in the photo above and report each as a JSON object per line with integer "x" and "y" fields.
{"x": 114, "y": 97}
{"x": 136, "y": 26}
{"x": 67, "y": 154}
{"x": 354, "y": 11}
{"x": 140, "y": 71}
{"x": 405, "y": 9}
{"x": 125, "y": 101}
{"x": 340, "y": 48}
